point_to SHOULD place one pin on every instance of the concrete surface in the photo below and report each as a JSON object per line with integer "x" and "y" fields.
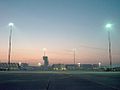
{"x": 17, "y": 80}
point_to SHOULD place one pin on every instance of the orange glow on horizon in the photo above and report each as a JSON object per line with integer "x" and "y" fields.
{"x": 34, "y": 56}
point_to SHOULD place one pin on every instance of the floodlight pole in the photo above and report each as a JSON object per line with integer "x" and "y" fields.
{"x": 9, "y": 51}
{"x": 109, "y": 43}
{"x": 74, "y": 56}
{"x": 44, "y": 52}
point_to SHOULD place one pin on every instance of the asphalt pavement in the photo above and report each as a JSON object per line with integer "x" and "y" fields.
{"x": 59, "y": 81}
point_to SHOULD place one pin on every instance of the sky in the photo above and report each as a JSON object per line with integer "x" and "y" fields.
{"x": 60, "y": 26}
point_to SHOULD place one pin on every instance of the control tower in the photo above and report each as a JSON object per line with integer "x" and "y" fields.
{"x": 45, "y": 58}
{"x": 46, "y": 62}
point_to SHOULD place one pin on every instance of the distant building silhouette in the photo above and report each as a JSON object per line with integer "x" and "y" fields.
{"x": 6, "y": 66}
{"x": 58, "y": 67}
{"x": 46, "y": 62}
{"x": 13, "y": 66}
{"x": 82, "y": 66}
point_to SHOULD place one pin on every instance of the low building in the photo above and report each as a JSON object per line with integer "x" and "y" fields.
{"x": 81, "y": 66}
{"x": 58, "y": 67}
{"x": 23, "y": 66}
{"x": 13, "y": 66}
{"x": 6, "y": 66}
{"x": 72, "y": 66}
{"x": 89, "y": 66}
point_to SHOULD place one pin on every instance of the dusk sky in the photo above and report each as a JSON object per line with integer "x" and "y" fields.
{"x": 60, "y": 26}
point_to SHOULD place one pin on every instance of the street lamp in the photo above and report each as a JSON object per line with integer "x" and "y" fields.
{"x": 99, "y": 64}
{"x": 20, "y": 63}
{"x": 10, "y": 36}
{"x": 11, "y": 24}
{"x": 39, "y": 64}
{"x": 79, "y": 64}
{"x": 109, "y": 27}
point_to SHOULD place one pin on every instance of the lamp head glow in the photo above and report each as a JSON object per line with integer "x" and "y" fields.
{"x": 108, "y": 25}
{"x": 39, "y": 64}
{"x": 79, "y": 64}
{"x": 44, "y": 49}
{"x": 19, "y": 63}
{"x": 74, "y": 49}
{"x": 11, "y": 24}
{"x": 99, "y": 63}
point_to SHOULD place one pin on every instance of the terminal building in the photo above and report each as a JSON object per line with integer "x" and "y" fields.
{"x": 82, "y": 66}
{"x": 6, "y": 66}
{"x": 58, "y": 67}
{"x": 12, "y": 66}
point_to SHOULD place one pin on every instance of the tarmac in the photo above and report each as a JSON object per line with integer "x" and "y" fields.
{"x": 61, "y": 80}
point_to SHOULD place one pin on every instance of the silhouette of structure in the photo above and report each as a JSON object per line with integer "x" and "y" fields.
{"x": 46, "y": 62}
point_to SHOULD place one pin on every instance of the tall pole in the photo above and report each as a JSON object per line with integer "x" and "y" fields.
{"x": 110, "y": 55}
{"x": 109, "y": 27}
{"x": 9, "y": 51}
{"x": 44, "y": 53}
{"x": 74, "y": 55}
